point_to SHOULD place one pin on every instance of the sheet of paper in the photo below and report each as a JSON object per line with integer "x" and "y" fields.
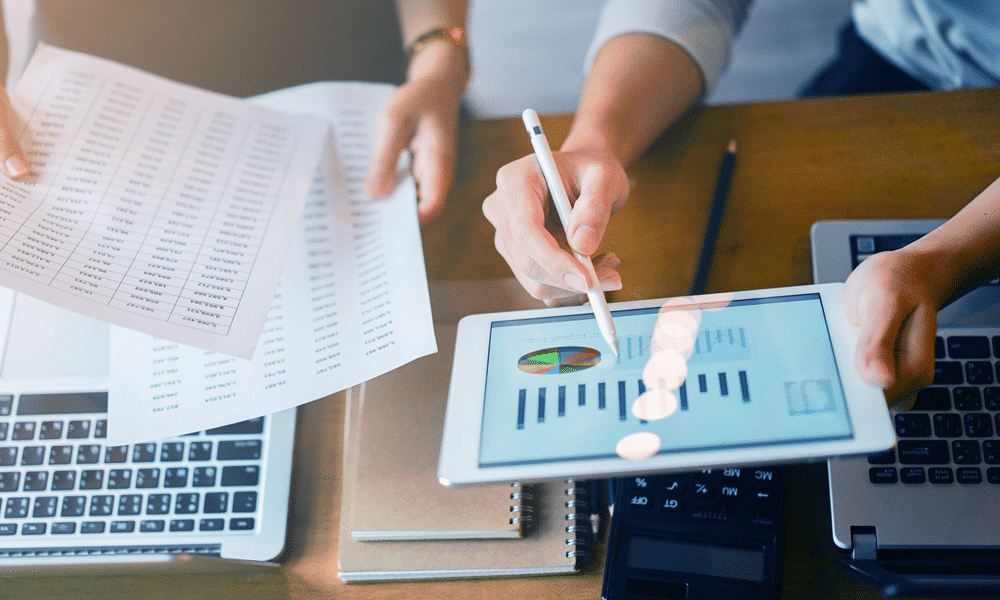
{"x": 153, "y": 205}
{"x": 353, "y": 302}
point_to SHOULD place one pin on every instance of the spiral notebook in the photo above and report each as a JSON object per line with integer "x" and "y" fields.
{"x": 396, "y": 494}
{"x": 557, "y": 540}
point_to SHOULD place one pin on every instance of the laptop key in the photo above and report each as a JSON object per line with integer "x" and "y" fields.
{"x": 947, "y": 425}
{"x": 239, "y": 450}
{"x": 967, "y": 398}
{"x": 33, "y": 529}
{"x": 913, "y": 425}
{"x": 978, "y": 425}
{"x": 912, "y": 475}
{"x": 932, "y": 398}
{"x": 923, "y": 452}
{"x": 78, "y": 430}
{"x": 240, "y": 476}
{"x": 10, "y": 481}
{"x": 203, "y": 525}
{"x": 948, "y": 373}
{"x": 122, "y": 526}
{"x": 32, "y": 455}
{"x": 36, "y": 481}
{"x": 152, "y": 526}
{"x": 92, "y": 527}
{"x": 8, "y": 528}
{"x": 8, "y": 456}
{"x": 63, "y": 528}
{"x": 23, "y": 430}
{"x": 45, "y": 506}
{"x": 968, "y": 475}
{"x": 73, "y": 506}
{"x": 968, "y": 346}
{"x": 940, "y": 475}
{"x": 50, "y": 430}
{"x": 247, "y": 427}
{"x": 882, "y": 475}
{"x": 63, "y": 481}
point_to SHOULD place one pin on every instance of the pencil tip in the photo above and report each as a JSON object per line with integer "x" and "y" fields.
{"x": 732, "y": 145}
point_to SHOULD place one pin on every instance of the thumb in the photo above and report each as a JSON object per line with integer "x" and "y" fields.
{"x": 600, "y": 194}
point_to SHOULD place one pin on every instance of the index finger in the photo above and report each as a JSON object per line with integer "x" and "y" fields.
{"x": 15, "y": 162}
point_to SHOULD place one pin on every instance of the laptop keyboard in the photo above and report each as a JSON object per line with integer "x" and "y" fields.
{"x": 951, "y": 436}
{"x": 58, "y": 478}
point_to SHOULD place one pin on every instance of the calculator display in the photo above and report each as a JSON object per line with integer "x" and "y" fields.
{"x": 700, "y": 559}
{"x": 721, "y": 375}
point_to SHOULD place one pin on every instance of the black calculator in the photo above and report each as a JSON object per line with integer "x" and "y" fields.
{"x": 709, "y": 534}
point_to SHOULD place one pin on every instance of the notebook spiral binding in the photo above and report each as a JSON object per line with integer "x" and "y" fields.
{"x": 578, "y": 527}
{"x": 523, "y": 504}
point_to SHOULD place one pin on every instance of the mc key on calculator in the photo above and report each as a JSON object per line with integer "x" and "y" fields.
{"x": 715, "y": 533}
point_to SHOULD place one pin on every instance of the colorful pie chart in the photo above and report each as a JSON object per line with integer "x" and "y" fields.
{"x": 563, "y": 359}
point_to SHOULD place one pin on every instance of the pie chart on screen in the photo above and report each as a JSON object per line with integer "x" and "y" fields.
{"x": 562, "y": 359}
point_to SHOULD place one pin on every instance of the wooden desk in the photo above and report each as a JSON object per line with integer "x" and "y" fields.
{"x": 906, "y": 156}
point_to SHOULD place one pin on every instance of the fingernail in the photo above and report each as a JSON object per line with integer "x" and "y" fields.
{"x": 16, "y": 166}
{"x": 576, "y": 282}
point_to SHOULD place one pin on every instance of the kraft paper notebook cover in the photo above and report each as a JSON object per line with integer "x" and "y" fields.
{"x": 398, "y": 424}
{"x": 556, "y": 544}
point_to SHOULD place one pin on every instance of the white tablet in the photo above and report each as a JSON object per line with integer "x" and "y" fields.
{"x": 765, "y": 376}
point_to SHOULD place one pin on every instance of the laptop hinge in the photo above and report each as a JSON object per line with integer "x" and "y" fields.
{"x": 863, "y": 543}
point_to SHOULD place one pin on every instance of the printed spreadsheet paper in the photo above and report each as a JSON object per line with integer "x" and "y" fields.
{"x": 153, "y": 205}
{"x": 353, "y": 302}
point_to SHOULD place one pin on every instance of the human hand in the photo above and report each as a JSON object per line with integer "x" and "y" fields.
{"x": 530, "y": 237}
{"x": 422, "y": 116}
{"x": 892, "y": 302}
{"x": 15, "y": 163}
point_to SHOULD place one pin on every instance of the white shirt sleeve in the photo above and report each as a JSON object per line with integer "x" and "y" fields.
{"x": 703, "y": 28}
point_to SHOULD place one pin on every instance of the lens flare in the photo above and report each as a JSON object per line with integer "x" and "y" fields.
{"x": 638, "y": 446}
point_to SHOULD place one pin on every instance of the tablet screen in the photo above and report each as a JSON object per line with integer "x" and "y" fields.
{"x": 725, "y": 375}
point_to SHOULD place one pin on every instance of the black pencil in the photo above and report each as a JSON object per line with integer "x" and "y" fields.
{"x": 714, "y": 218}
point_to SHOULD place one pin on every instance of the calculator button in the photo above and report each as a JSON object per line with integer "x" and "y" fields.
{"x": 673, "y": 505}
{"x": 640, "y": 501}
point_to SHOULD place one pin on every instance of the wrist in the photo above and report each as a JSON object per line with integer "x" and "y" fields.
{"x": 441, "y": 52}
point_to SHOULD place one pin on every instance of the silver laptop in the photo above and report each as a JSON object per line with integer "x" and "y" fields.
{"x": 923, "y": 517}
{"x": 214, "y": 499}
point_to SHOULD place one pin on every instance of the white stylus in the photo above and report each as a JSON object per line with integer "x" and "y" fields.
{"x": 544, "y": 155}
